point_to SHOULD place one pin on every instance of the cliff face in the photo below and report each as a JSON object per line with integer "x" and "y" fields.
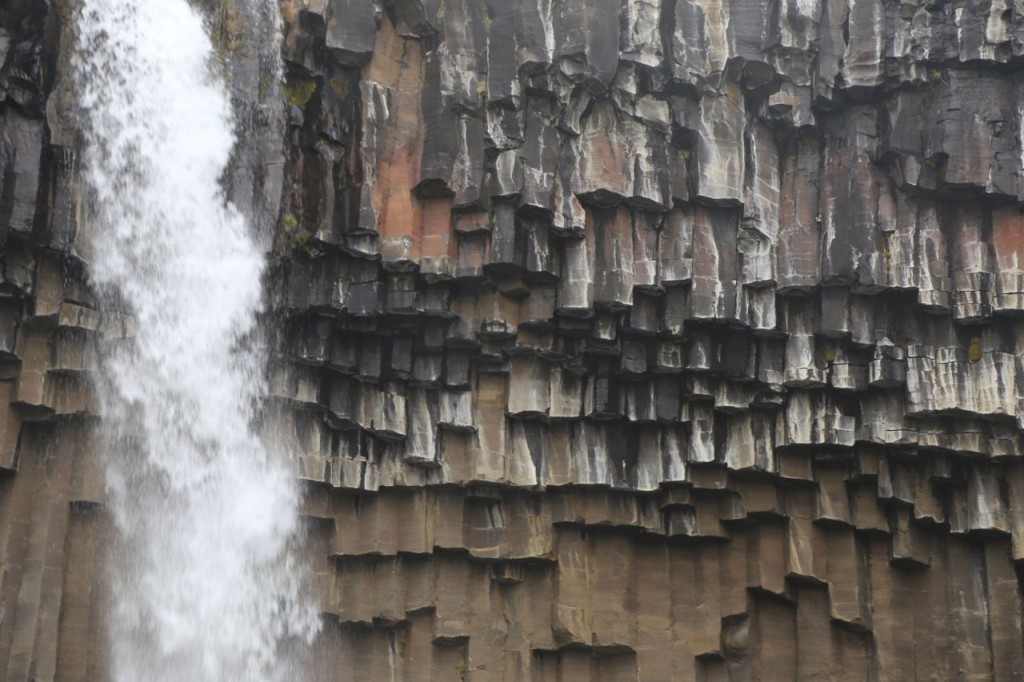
{"x": 617, "y": 339}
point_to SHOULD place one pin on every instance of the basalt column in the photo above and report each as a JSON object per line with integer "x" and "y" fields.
{"x": 610, "y": 339}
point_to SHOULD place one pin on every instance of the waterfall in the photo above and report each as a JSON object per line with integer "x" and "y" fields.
{"x": 202, "y": 584}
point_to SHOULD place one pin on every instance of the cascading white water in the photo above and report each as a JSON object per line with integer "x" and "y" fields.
{"x": 202, "y": 585}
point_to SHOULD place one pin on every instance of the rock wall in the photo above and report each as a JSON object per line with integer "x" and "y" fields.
{"x": 616, "y": 339}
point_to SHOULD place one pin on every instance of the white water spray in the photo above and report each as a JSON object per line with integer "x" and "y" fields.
{"x": 202, "y": 585}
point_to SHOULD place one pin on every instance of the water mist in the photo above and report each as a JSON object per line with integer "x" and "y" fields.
{"x": 201, "y": 581}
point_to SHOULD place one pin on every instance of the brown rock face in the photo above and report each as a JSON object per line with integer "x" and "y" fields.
{"x": 619, "y": 340}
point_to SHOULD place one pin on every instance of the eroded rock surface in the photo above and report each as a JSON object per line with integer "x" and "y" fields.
{"x": 632, "y": 339}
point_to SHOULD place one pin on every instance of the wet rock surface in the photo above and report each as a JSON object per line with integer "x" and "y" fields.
{"x": 633, "y": 339}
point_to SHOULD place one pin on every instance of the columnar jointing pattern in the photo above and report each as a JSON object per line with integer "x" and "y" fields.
{"x": 620, "y": 339}
{"x": 659, "y": 339}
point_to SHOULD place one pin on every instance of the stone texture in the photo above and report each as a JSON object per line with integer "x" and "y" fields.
{"x": 627, "y": 340}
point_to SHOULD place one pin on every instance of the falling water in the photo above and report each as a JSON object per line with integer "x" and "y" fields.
{"x": 202, "y": 584}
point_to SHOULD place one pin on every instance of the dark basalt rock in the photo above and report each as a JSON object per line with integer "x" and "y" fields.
{"x": 632, "y": 339}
